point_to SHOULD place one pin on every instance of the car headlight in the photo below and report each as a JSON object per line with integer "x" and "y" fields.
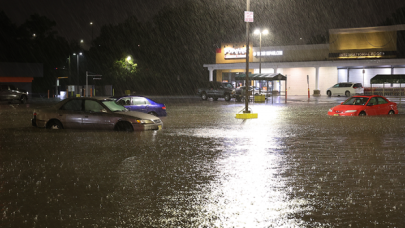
{"x": 145, "y": 121}
{"x": 349, "y": 111}
{"x": 330, "y": 110}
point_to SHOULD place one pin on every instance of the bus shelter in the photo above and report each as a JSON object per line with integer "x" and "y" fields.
{"x": 268, "y": 78}
{"x": 392, "y": 79}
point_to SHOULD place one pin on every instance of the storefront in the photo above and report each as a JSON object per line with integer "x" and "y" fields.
{"x": 352, "y": 55}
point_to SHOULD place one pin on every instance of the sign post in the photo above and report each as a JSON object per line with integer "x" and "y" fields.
{"x": 87, "y": 82}
{"x": 308, "y": 85}
{"x": 246, "y": 113}
{"x": 248, "y": 18}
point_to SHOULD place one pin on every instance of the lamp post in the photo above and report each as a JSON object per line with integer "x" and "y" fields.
{"x": 77, "y": 60}
{"x": 364, "y": 71}
{"x": 247, "y": 20}
{"x": 258, "y": 31}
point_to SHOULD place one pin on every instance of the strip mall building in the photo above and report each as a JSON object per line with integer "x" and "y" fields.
{"x": 352, "y": 55}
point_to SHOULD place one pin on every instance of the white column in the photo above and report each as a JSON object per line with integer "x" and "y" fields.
{"x": 211, "y": 73}
{"x": 317, "y": 78}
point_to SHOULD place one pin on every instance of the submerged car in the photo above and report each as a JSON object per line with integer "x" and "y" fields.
{"x": 11, "y": 93}
{"x": 93, "y": 113}
{"x": 142, "y": 104}
{"x": 364, "y": 106}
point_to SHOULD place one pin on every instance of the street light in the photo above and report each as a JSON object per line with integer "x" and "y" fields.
{"x": 265, "y": 32}
{"x": 91, "y": 24}
{"x": 77, "y": 58}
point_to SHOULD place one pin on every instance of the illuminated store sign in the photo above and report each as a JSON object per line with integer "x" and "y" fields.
{"x": 267, "y": 53}
{"x": 359, "y": 55}
{"x": 235, "y": 53}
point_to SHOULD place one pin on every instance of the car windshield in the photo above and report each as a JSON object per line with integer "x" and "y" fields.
{"x": 356, "y": 101}
{"x": 114, "y": 107}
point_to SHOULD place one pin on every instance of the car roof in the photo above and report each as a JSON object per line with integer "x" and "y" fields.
{"x": 118, "y": 97}
{"x": 368, "y": 96}
{"x": 89, "y": 98}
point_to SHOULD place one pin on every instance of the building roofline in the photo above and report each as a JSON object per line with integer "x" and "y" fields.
{"x": 368, "y": 29}
{"x": 327, "y": 63}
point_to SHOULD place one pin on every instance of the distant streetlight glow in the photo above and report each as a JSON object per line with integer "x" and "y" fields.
{"x": 77, "y": 61}
{"x": 259, "y": 32}
{"x": 91, "y": 24}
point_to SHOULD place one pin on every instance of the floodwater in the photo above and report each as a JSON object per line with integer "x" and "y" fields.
{"x": 293, "y": 166}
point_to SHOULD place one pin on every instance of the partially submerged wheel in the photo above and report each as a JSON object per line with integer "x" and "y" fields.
{"x": 391, "y": 112}
{"x": 123, "y": 126}
{"x": 227, "y": 97}
{"x": 153, "y": 113}
{"x": 204, "y": 96}
{"x": 347, "y": 93}
{"x": 329, "y": 93}
{"x": 215, "y": 98}
{"x": 238, "y": 98}
{"x": 362, "y": 113}
{"x": 54, "y": 125}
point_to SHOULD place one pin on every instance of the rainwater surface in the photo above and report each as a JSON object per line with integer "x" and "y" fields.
{"x": 293, "y": 166}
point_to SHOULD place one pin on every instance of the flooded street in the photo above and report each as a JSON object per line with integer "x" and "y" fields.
{"x": 293, "y": 166}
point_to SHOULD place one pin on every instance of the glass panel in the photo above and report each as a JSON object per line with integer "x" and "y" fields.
{"x": 381, "y": 100}
{"x": 73, "y": 105}
{"x": 92, "y": 106}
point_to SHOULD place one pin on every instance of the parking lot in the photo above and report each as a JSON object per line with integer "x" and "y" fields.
{"x": 293, "y": 166}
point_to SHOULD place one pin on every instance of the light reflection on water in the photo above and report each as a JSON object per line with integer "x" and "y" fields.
{"x": 249, "y": 190}
{"x": 292, "y": 167}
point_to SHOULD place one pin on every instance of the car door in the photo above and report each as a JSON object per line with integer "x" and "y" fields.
{"x": 383, "y": 106}
{"x": 71, "y": 114}
{"x": 96, "y": 116}
{"x": 211, "y": 89}
{"x": 372, "y": 107}
{"x": 335, "y": 89}
{"x": 12, "y": 93}
{"x": 139, "y": 104}
{"x": 149, "y": 107}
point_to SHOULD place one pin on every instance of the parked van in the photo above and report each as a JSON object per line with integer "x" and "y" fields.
{"x": 345, "y": 89}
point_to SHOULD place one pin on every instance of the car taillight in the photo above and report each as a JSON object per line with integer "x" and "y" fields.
{"x": 164, "y": 107}
{"x": 34, "y": 113}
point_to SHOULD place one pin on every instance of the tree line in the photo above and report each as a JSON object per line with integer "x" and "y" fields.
{"x": 167, "y": 52}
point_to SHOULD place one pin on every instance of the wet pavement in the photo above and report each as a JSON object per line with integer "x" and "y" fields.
{"x": 293, "y": 166}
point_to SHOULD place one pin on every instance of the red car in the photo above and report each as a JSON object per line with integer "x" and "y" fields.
{"x": 364, "y": 106}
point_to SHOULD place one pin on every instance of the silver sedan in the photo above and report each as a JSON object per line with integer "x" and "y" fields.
{"x": 94, "y": 113}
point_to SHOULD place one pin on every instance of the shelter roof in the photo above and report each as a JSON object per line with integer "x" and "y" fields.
{"x": 266, "y": 77}
{"x": 388, "y": 78}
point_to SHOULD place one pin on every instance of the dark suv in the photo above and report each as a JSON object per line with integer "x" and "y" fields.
{"x": 9, "y": 93}
{"x": 216, "y": 90}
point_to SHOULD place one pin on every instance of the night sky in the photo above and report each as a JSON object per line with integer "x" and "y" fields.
{"x": 303, "y": 18}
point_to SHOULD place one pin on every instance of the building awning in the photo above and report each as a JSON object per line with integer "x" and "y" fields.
{"x": 266, "y": 77}
{"x": 388, "y": 78}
